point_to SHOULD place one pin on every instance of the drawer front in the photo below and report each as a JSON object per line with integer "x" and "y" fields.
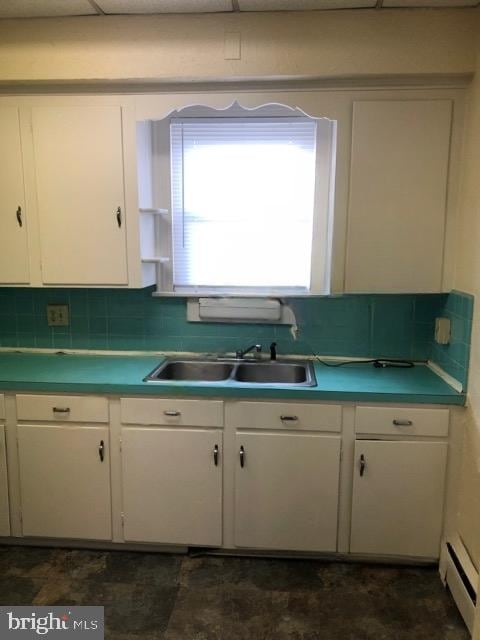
{"x": 402, "y": 421}
{"x": 2, "y": 407}
{"x": 288, "y": 415}
{"x": 191, "y": 413}
{"x": 62, "y": 408}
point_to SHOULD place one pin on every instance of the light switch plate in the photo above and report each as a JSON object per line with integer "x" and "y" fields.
{"x": 57, "y": 315}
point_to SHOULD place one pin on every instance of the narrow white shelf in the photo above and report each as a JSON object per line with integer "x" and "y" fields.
{"x": 156, "y": 212}
{"x": 156, "y": 259}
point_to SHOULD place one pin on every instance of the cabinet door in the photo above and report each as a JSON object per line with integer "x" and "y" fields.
{"x": 4, "y": 510}
{"x": 286, "y": 492}
{"x": 79, "y": 174}
{"x": 64, "y": 483}
{"x": 398, "y": 499}
{"x": 13, "y": 222}
{"x": 172, "y": 486}
{"x": 398, "y": 187}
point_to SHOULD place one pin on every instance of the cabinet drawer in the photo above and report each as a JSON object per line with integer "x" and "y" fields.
{"x": 62, "y": 408}
{"x": 2, "y": 407}
{"x": 191, "y": 413}
{"x": 288, "y": 415}
{"x": 402, "y": 421}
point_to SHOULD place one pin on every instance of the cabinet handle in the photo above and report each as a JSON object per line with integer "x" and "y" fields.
{"x": 119, "y": 216}
{"x": 215, "y": 455}
{"x": 101, "y": 450}
{"x": 363, "y": 464}
{"x": 289, "y": 418}
{"x": 172, "y": 414}
{"x": 61, "y": 409}
{"x": 19, "y": 216}
{"x": 242, "y": 457}
{"x": 403, "y": 423}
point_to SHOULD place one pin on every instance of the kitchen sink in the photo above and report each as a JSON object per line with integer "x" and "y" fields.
{"x": 193, "y": 370}
{"x": 274, "y": 372}
{"x": 291, "y": 373}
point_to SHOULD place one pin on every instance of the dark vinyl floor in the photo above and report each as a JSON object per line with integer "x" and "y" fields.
{"x": 168, "y": 597}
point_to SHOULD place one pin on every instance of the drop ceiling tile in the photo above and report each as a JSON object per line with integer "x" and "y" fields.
{"x": 44, "y": 8}
{"x": 302, "y": 5}
{"x": 164, "y": 6}
{"x": 421, "y": 4}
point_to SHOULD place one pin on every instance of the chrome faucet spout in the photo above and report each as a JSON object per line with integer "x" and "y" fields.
{"x": 241, "y": 353}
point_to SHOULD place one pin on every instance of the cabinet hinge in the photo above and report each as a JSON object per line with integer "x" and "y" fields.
{"x": 121, "y": 449}
{"x": 122, "y": 517}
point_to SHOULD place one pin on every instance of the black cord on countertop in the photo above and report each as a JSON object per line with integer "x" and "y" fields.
{"x": 378, "y": 363}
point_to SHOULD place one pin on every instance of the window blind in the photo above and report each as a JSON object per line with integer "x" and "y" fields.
{"x": 242, "y": 202}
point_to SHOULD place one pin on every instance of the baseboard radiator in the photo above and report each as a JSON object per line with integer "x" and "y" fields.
{"x": 461, "y": 577}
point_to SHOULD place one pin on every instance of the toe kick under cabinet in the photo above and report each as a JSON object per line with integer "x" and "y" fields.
{"x": 279, "y": 476}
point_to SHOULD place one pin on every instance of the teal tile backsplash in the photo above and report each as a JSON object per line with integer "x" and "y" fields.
{"x": 454, "y": 357}
{"x": 389, "y": 326}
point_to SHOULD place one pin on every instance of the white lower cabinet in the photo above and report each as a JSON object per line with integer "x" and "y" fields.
{"x": 4, "y": 508}
{"x": 172, "y": 485}
{"x": 286, "y": 491}
{"x": 282, "y": 468}
{"x": 398, "y": 494}
{"x": 65, "y": 481}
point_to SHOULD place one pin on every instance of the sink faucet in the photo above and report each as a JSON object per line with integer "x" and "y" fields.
{"x": 241, "y": 353}
{"x": 273, "y": 351}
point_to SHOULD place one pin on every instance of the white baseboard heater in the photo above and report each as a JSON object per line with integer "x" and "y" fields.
{"x": 461, "y": 577}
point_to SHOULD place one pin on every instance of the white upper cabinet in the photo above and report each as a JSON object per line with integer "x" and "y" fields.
{"x": 80, "y": 194}
{"x": 398, "y": 190}
{"x": 14, "y": 267}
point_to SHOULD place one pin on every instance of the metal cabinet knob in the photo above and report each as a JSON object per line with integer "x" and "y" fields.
{"x": 403, "y": 423}
{"x": 171, "y": 414}
{"x": 101, "y": 450}
{"x": 119, "y": 216}
{"x": 61, "y": 409}
{"x": 215, "y": 455}
{"x": 363, "y": 465}
{"x": 19, "y": 216}
{"x": 242, "y": 457}
{"x": 289, "y": 418}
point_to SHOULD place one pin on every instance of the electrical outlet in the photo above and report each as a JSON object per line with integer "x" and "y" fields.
{"x": 57, "y": 315}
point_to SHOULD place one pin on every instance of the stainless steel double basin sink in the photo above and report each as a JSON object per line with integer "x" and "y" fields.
{"x": 291, "y": 373}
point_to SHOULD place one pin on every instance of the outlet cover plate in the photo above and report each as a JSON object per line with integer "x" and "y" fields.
{"x": 57, "y": 315}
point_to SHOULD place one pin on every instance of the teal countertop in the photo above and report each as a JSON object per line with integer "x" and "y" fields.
{"x": 114, "y": 374}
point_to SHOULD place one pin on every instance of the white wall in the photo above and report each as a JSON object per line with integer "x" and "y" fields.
{"x": 467, "y": 278}
{"x": 285, "y": 44}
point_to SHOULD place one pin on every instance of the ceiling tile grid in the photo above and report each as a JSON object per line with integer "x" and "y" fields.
{"x": 55, "y": 8}
{"x": 164, "y": 6}
{"x": 45, "y": 8}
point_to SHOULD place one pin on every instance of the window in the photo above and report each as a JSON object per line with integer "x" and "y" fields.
{"x": 243, "y": 200}
{"x": 236, "y": 202}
